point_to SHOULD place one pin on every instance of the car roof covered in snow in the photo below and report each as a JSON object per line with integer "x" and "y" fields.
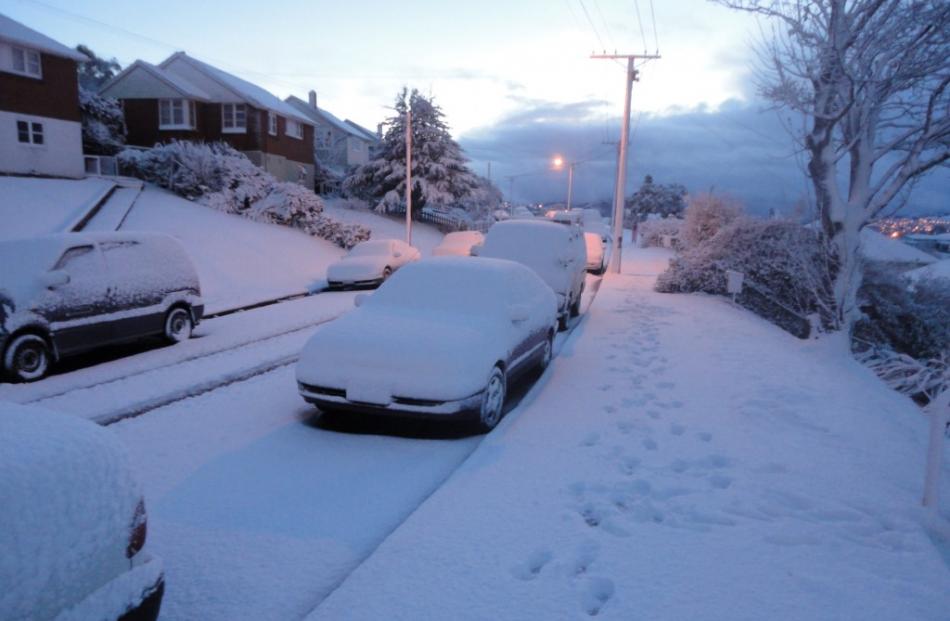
{"x": 13, "y": 31}
{"x": 42, "y": 251}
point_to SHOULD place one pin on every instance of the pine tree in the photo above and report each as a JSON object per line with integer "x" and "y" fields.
{"x": 440, "y": 177}
{"x": 662, "y": 199}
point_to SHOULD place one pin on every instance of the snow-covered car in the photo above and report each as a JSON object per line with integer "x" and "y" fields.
{"x": 595, "y": 253}
{"x": 64, "y": 294}
{"x": 521, "y": 212}
{"x": 444, "y": 337}
{"x": 369, "y": 263}
{"x": 556, "y": 252}
{"x": 459, "y": 244}
{"x": 72, "y": 523}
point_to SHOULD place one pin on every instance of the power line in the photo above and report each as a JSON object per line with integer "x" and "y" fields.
{"x": 656, "y": 40}
{"x": 591, "y": 22}
{"x": 636, "y": 4}
{"x": 610, "y": 36}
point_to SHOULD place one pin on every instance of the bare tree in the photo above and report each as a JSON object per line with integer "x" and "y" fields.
{"x": 871, "y": 78}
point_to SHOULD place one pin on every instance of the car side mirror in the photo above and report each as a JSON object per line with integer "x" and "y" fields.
{"x": 55, "y": 278}
{"x": 360, "y": 299}
{"x": 518, "y": 313}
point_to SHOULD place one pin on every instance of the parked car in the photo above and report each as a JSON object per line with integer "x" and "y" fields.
{"x": 596, "y": 255}
{"x": 369, "y": 263}
{"x": 573, "y": 217}
{"x": 443, "y": 338}
{"x": 521, "y": 212}
{"x": 459, "y": 243}
{"x": 64, "y": 294}
{"x": 556, "y": 252}
{"x": 72, "y": 523}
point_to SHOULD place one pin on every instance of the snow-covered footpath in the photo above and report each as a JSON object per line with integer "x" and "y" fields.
{"x": 685, "y": 460}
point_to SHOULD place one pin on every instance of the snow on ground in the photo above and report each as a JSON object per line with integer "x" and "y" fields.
{"x": 239, "y": 262}
{"x": 684, "y": 460}
{"x": 877, "y": 247}
{"x": 425, "y": 237}
{"x": 32, "y": 206}
{"x": 940, "y": 269}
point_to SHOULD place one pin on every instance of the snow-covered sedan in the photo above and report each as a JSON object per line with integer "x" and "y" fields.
{"x": 370, "y": 263}
{"x": 442, "y": 338}
{"x": 596, "y": 255}
{"x": 72, "y": 523}
{"x": 459, "y": 243}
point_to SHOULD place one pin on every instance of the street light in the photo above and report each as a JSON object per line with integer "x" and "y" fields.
{"x": 558, "y": 163}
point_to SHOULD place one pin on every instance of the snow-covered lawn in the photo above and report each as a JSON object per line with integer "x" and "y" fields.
{"x": 425, "y": 237}
{"x": 239, "y": 262}
{"x": 684, "y": 460}
{"x": 30, "y": 206}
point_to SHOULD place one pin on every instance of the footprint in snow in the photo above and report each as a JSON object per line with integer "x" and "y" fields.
{"x": 591, "y": 439}
{"x": 596, "y": 595}
{"x": 530, "y": 569}
{"x": 650, "y": 444}
{"x": 677, "y": 430}
{"x": 654, "y": 414}
{"x": 705, "y": 436}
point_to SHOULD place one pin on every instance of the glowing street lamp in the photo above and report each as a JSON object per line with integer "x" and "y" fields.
{"x": 558, "y": 164}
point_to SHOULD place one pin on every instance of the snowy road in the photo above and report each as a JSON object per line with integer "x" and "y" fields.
{"x": 260, "y": 508}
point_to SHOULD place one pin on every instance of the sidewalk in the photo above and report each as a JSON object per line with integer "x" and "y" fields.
{"x": 684, "y": 460}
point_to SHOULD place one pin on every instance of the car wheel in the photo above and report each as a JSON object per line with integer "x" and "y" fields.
{"x": 493, "y": 400}
{"x": 563, "y": 321}
{"x": 27, "y": 358}
{"x": 178, "y": 325}
{"x": 547, "y": 353}
{"x": 576, "y": 306}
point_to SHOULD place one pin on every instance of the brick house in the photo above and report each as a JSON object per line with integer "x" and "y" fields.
{"x": 40, "y": 124}
{"x": 338, "y": 145}
{"x": 186, "y": 99}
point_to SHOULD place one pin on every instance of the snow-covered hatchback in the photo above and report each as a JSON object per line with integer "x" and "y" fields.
{"x": 72, "y": 523}
{"x": 65, "y": 294}
{"x": 443, "y": 337}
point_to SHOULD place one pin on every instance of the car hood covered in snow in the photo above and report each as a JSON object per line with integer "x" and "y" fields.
{"x": 437, "y": 357}
{"x": 356, "y": 268}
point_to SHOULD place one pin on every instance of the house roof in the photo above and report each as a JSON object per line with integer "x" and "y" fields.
{"x": 318, "y": 115}
{"x": 15, "y": 32}
{"x": 371, "y": 135}
{"x": 250, "y": 93}
{"x": 176, "y": 82}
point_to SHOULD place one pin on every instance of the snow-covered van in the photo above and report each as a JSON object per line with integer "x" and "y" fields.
{"x": 65, "y": 294}
{"x": 72, "y": 523}
{"x": 556, "y": 252}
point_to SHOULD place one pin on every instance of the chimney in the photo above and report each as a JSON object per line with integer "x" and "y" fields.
{"x": 379, "y": 131}
{"x": 313, "y": 98}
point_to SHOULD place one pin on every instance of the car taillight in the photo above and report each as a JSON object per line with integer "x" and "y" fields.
{"x": 137, "y": 531}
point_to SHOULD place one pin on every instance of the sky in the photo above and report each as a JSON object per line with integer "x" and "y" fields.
{"x": 514, "y": 79}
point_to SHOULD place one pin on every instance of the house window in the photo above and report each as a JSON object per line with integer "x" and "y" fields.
{"x": 272, "y": 123}
{"x": 233, "y": 118}
{"x": 176, "y": 114}
{"x": 29, "y": 133}
{"x": 294, "y": 129}
{"x": 27, "y": 62}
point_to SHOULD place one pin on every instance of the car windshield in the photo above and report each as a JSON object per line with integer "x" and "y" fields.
{"x": 371, "y": 249}
{"x": 450, "y": 288}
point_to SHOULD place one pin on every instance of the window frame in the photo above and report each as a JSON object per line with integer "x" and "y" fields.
{"x": 27, "y": 54}
{"x": 272, "y": 123}
{"x": 293, "y": 123}
{"x": 32, "y": 130}
{"x": 229, "y": 112}
{"x": 187, "y": 108}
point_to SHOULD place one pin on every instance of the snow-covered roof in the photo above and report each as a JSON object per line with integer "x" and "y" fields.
{"x": 176, "y": 82}
{"x": 877, "y": 247}
{"x": 250, "y": 93}
{"x": 366, "y": 133}
{"x": 318, "y": 115}
{"x": 15, "y": 32}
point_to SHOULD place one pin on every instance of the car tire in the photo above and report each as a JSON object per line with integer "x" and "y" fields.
{"x": 576, "y": 306}
{"x": 547, "y": 353}
{"x": 27, "y": 358}
{"x": 563, "y": 321}
{"x": 178, "y": 324}
{"x": 492, "y": 408}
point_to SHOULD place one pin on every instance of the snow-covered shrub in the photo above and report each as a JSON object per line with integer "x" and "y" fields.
{"x": 103, "y": 124}
{"x": 787, "y": 271}
{"x": 706, "y": 214}
{"x": 904, "y": 334}
{"x": 223, "y": 178}
{"x": 651, "y": 233}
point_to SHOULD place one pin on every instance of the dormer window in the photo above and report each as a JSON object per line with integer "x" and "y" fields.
{"x": 272, "y": 123}
{"x": 26, "y": 62}
{"x": 233, "y": 118}
{"x": 176, "y": 114}
{"x": 294, "y": 129}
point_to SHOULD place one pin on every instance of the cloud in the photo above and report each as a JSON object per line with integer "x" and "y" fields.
{"x": 740, "y": 148}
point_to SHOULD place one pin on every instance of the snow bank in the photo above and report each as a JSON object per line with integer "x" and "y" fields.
{"x": 67, "y": 500}
{"x": 877, "y": 247}
{"x": 672, "y": 468}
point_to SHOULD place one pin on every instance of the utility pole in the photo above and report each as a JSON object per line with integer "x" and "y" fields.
{"x": 621, "y": 185}
{"x": 409, "y": 175}
{"x": 570, "y": 185}
{"x": 489, "y": 172}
